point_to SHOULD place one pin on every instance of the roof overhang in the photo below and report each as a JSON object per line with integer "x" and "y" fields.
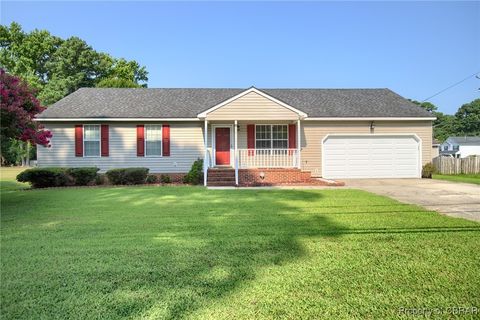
{"x": 203, "y": 114}
{"x": 112, "y": 119}
{"x": 371, "y": 119}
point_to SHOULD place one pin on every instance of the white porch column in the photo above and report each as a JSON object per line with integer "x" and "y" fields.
{"x": 299, "y": 145}
{"x": 236, "y": 153}
{"x": 205, "y": 158}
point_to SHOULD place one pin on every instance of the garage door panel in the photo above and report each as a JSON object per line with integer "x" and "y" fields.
{"x": 371, "y": 157}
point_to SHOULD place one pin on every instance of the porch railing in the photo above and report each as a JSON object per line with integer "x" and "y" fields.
{"x": 267, "y": 158}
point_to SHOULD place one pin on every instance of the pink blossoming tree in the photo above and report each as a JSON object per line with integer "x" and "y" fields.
{"x": 18, "y": 108}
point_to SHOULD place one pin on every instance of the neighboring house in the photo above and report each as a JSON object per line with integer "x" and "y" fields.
{"x": 261, "y": 135}
{"x": 461, "y": 147}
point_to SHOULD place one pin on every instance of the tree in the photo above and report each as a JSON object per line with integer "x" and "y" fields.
{"x": 468, "y": 118}
{"x": 56, "y": 67}
{"x": 430, "y": 107}
{"x": 117, "y": 83}
{"x": 444, "y": 125}
{"x": 18, "y": 107}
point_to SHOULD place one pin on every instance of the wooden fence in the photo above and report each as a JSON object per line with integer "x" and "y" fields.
{"x": 450, "y": 165}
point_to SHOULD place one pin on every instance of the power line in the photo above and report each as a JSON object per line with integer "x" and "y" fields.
{"x": 449, "y": 87}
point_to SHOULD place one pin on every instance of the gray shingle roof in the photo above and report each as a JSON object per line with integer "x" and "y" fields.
{"x": 465, "y": 141}
{"x": 187, "y": 103}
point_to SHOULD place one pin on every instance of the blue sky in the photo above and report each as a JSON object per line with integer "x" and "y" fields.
{"x": 413, "y": 48}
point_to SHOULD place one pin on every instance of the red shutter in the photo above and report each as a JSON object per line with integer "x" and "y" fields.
{"x": 251, "y": 138}
{"x": 166, "y": 140}
{"x": 78, "y": 140}
{"x": 105, "y": 140}
{"x": 140, "y": 140}
{"x": 292, "y": 137}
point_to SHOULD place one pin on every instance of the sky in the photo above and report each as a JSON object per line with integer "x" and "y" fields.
{"x": 414, "y": 48}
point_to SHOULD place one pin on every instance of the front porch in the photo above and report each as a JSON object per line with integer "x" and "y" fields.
{"x": 239, "y": 150}
{"x": 250, "y": 131}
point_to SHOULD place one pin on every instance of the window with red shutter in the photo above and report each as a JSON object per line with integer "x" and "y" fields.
{"x": 105, "y": 140}
{"x": 140, "y": 140}
{"x": 166, "y": 140}
{"x": 251, "y": 139}
{"x": 292, "y": 137}
{"x": 78, "y": 140}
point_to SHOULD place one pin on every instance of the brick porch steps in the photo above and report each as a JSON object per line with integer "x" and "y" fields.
{"x": 223, "y": 177}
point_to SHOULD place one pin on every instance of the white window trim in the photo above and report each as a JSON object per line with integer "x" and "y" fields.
{"x": 271, "y": 136}
{"x": 145, "y": 141}
{"x": 99, "y": 140}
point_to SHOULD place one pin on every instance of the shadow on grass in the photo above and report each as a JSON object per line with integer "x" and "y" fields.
{"x": 211, "y": 242}
{"x": 158, "y": 252}
{"x": 162, "y": 253}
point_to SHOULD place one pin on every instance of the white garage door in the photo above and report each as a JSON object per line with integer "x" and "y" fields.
{"x": 371, "y": 157}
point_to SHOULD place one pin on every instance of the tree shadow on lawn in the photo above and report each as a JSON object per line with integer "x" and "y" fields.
{"x": 204, "y": 244}
{"x": 166, "y": 252}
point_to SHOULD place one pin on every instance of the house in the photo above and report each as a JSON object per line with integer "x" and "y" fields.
{"x": 461, "y": 147}
{"x": 258, "y": 136}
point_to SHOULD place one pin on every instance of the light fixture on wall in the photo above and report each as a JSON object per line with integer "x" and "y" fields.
{"x": 372, "y": 125}
{"x": 262, "y": 175}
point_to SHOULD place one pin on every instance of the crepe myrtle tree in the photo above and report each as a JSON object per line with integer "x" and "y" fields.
{"x": 18, "y": 108}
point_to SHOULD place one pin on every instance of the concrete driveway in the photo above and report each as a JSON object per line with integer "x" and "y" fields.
{"x": 450, "y": 198}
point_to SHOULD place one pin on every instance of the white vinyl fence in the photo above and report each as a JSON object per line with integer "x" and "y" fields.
{"x": 450, "y": 165}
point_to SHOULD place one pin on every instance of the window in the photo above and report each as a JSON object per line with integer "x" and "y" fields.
{"x": 91, "y": 140}
{"x": 153, "y": 140}
{"x": 456, "y": 148}
{"x": 271, "y": 136}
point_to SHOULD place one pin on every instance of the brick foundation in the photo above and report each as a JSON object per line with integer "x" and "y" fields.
{"x": 271, "y": 176}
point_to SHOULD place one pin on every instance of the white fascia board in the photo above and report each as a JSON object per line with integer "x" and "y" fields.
{"x": 371, "y": 119}
{"x": 113, "y": 119}
{"x": 241, "y": 94}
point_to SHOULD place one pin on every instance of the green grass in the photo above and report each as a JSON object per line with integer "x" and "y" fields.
{"x": 188, "y": 252}
{"x": 7, "y": 178}
{"x": 466, "y": 178}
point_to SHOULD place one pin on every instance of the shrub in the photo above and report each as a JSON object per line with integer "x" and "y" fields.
{"x": 127, "y": 175}
{"x": 165, "y": 178}
{"x": 44, "y": 177}
{"x": 83, "y": 176}
{"x": 151, "y": 178}
{"x": 195, "y": 175}
{"x": 135, "y": 175}
{"x": 427, "y": 170}
{"x": 116, "y": 176}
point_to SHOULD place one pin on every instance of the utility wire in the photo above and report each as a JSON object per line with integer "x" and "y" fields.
{"x": 449, "y": 87}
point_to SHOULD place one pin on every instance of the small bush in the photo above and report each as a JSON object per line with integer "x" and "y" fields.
{"x": 195, "y": 175}
{"x": 116, "y": 176}
{"x": 83, "y": 176}
{"x": 136, "y": 175}
{"x": 427, "y": 170}
{"x": 165, "y": 178}
{"x": 127, "y": 175}
{"x": 151, "y": 178}
{"x": 44, "y": 177}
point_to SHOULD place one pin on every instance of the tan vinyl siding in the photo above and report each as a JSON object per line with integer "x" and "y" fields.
{"x": 186, "y": 145}
{"x": 252, "y": 106}
{"x": 313, "y": 133}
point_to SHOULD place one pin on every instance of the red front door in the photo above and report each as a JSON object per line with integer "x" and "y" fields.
{"x": 222, "y": 146}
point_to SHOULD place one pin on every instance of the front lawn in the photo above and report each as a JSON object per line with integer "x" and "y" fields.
{"x": 188, "y": 252}
{"x": 467, "y": 178}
